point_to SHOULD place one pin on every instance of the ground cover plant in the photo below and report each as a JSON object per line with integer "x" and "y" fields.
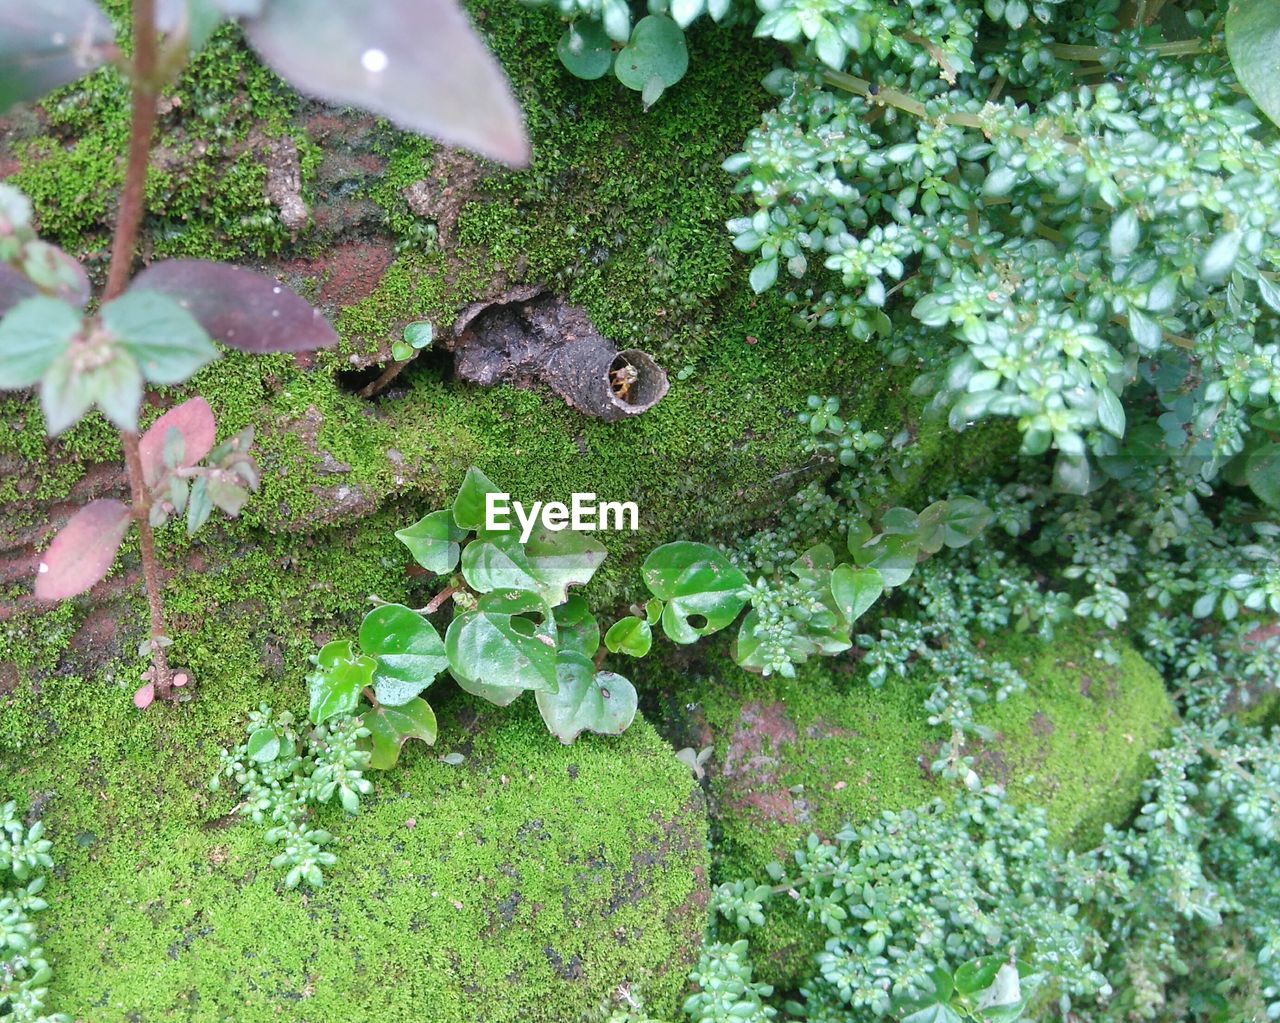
{"x": 935, "y": 680}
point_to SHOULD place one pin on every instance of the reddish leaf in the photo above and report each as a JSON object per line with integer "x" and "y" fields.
{"x": 83, "y": 551}
{"x": 419, "y": 64}
{"x": 240, "y": 308}
{"x": 143, "y": 697}
{"x": 194, "y": 420}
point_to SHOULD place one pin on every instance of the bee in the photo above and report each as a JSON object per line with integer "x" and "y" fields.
{"x": 622, "y": 380}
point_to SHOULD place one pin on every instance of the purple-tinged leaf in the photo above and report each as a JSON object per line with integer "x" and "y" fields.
{"x": 83, "y": 552}
{"x": 13, "y": 288}
{"x": 47, "y": 44}
{"x": 240, "y": 308}
{"x": 143, "y": 698}
{"x": 194, "y": 420}
{"x": 419, "y": 64}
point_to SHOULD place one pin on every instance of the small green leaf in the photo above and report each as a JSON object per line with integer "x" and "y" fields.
{"x": 113, "y": 383}
{"x": 652, "y": 610}
{"x": 1124, "y": 235}
{"x": 855, "y": 589}
{"x": 340, "y": 676}
{"x": 419, "y": 336}
{"x": 408, "y": 651}
{"x": 764, "y": 274}
{"x": 496, "y": 645}
{"x": 33, "y": 335}
{"x": 631, "y": 636}
{"x": 586, "y": 50}
{"x": 434, "y": 541}
{"x": 167, "y": 342}
{"x": 264, "y": 745}
{"x": 696, "y": 581}
{"x": 586, "y": 700}
{"x": 894, "y": 556}
{"x": 977, "y": 974}
{"x": 468, "y": 506}
{"x": 391, "y": 727}
{"x": 1220, "y": 258}
{"x": 576, "y": 627}
{"x": 966, "y": 519}
{"x": 656, "y": 49}
{"x": 199, "y": 506}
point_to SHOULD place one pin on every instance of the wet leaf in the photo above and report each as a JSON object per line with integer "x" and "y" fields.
{"x": 856, "y": 590}
{"x": 586, "y": 700}
{"x": 408, "y": 651}
{"x": 241, "y": 309}
{"x": 697, "y": 582}
{"x": 420, "y": 65}
{"x": 496, "y": 646}
{"x": 391, "y": 727}
{"x": 434, "y": 541}
{"x": 83, "y": 551}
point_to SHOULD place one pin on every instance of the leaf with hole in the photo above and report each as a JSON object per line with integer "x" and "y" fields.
{"x": 497, "y": 645}
{"x": 391, "y": 727}
{"x": 420, "y": 65}
{"x": 562, "y": 558}
{"x": 47, "y": 44}
{"x": 340, "y": 676}
{"x": 631, "y": 636}
{"x": 83, "y": 551}
{"x": 241, "y": 309}
{"x": 194, "y": 422}
{"x": 408, "y": 652}
{"x": 165, "y": 339}
{"x": 586, "y": 700}
{"x": 702, "y": 589}
{"x": 576, "y": 627}
{"x": 434, "y": 541}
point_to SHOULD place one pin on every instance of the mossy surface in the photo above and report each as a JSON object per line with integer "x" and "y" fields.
{"x": 810, "y": 754}
{"x": 525, "y": 884}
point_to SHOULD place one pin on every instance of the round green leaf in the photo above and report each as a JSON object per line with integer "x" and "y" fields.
{"x": 631, "y": 636}
{"x": 340, "y": 676}
{"x": 468, "y": 506}
{"x": 264, "y": 745}
{"x": 391, "y": 727}
{"x": 695, "y": 581}
{"x": 585, "y": 50}
{"x": 586, "y": 700}
{"x": 434, "y": 541}
{"x": 495, "y": 645}
{"x": 576, "y": 627}
{"x": 419, "y": 335}
{"x": 656, "y": 50}
{"x": 408, "y": 651}
{"x": 166, "y": 340}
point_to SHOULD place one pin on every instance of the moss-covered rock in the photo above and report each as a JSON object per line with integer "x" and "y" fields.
{"x": 527, "y": 883}
{"x": 795, "y": 756}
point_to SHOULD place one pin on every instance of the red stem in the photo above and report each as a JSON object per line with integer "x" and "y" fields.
{"x": 124, "y": 244}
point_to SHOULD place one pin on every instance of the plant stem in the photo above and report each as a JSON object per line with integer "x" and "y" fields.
{"x": 433, "y": 605}
{"x": 124, "y": 244}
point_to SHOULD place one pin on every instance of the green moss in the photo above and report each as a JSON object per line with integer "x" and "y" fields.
{"x": 525, "y": 884}
{"x": 813, "y": 753}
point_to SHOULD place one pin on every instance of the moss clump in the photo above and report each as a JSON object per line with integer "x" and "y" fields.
{"x": 824, "y": 749}
{"x": 525, "y": 884}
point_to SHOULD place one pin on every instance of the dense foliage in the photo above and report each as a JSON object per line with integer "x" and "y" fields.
{"x": 24, "y": 971}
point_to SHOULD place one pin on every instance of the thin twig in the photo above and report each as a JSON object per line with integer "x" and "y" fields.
{"x": 434, "y": 604}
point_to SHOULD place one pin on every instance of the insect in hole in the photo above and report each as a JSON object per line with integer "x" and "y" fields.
{"x": 623, "y": 379}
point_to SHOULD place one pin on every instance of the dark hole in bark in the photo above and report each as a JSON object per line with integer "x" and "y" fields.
{"x": 369, "y": 383}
